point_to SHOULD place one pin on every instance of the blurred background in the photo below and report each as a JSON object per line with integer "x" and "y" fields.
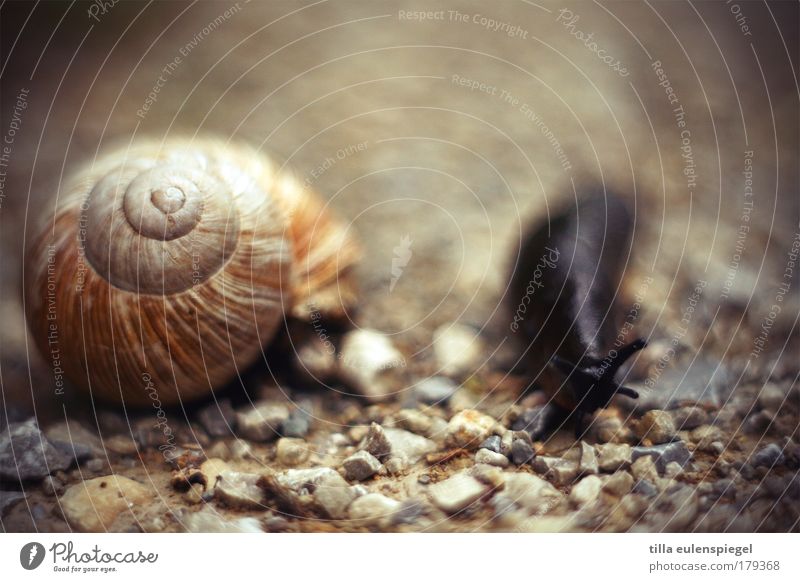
{"x": 447, "y": 125}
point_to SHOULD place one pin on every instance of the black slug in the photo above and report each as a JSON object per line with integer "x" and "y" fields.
{"x": 564, "y": 287}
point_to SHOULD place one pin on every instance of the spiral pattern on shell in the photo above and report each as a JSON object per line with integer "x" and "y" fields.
{"x": 169, "y": 265}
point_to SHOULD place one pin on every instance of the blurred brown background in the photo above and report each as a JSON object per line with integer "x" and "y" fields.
{"x": 456, "y": 170}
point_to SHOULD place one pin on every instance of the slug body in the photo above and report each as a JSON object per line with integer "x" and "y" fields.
{"x": 168, "y": 265}
{"x": 570, "y": 270}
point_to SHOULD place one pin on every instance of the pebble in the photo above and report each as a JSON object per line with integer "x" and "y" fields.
{"x": 334, "y": 495}
{"x": 656, "y": 426}
{"x": 488, "y": 475}
{"x": 360, "y": 466}
{"x": 456, "y": 493}
{"x": 758, "y": 423}
{"x": 725, "y": 488}
{"x": 396, "y": 465}
{"x": 588, "y": 463}
{"x": 468, "y": 428}
{"x": 645, "y": 487}
{"x": 75, "y": 440}
{"x": 769, "y": 456}
{"x": 610, "y": 430}
{"x": 492, "y": 443}
{"x": 619, "y": 484}
{"x": 209, "y": 521}
{"x": 371, "y": 364}
{"x": 292, "y": 452}
{"x": 261, "y": 423}
{"x": 307, "y": 480}
{"x": 435, "y": 390}
{"x": 586, "y": 491}
{"x": 121, "y": 444}
{"x": 218, "y": 418}
{"x": 241, "y": 449}
{"x": 674, "y": 452}
{"x": 689, "y": 417}
{"x": 458, "y": 349}
{"x": 25, "y": 453}
{"x": 407, "y": 444}
{"x": 772, "y": 397}
{"x": 409, "y": 512}
{"x": 9, "y": 498}
{"x": 672, "y": 470}
{"x": 704, "y": 436}
{"x": 93, "y": 505}
{"x": 644, "y": 468}
{"x": 239, "y": 490}
{"x": 490, "y": 457}
{"x": 612, "y": 457}
{"x": 414, "y": 420}
{"x": 530, "y": 492}
{"x": 95, "y": 465}
{"x": 560, "y": 470}
{"x": 376, "y": 442}
{"x": 297, "y": 425}
{"x": 521, "y": 452}
{"x": 373, "y": 509}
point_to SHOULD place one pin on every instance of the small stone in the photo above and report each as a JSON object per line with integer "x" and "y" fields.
{"x": 297, "y": 425}
{"x": 435, "y": 390}
{"x": 644, "y": 468}
{"x": 262, "y": 423}
{"x": 716, "y": 447}
{"x": 771, "y": 397}
{"x": 414, "y": 420}
{"x": 25, "y": 453}
{"x": 292, "y": 452}
{"x": 610, "y": 429}
{"x": 409, "y": 512}
{"x": 586, "y": 491}
{"x": 488, "y": 475}
{"x": 218, "y": 418}
{"x": 490, "y": 457}
{"x": 121, "y": 444}
{"x": 9, "y": 498}
{"x": 758, "y": 423}
{"x": 645, "y": 487}
{"x": 75, "y": 440}
{"x": 94, "y": 504}
{"x": 458, "y": 349}
{"x": 521, "y": 452}
{"x": 241, "y": 450}
{"x": 675, "y": 451}
{"x": 657, "y": 426}
{"x": 240, "y": 490}
{"x": 725, "y": 488}
{"x": 360, "y": 466}
{"x": 209, "y": 521}
{"x": 612, "y": 457}
{"x": 672, "y": 470}
{"x": 456, "y": 493}
{"x": 373, "y": 508}
{"x": 468, "y": 428}
{"x": 770, "y": 456}
{"x": 95, "y": 465}
{"x": 371, "y": 364}
{"x": 689, "y": 417}
{"x": 588, "y": 463}
{"x": 333, "y": 495}
{"x": 704, "y": 436}
{"x": 492, "y": 443}
{"x": 396, "y": 465}
{"x": 307, "y": 480}
{"x": 377, "y": 443}
{"x": 408, "y": 445}
{"x": 619, "y": 484}
{"x": 530, "y": 492}
{"x": 560, "y": 470}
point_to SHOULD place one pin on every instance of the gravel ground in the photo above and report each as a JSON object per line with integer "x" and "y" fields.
{"x": 381, "y": 113}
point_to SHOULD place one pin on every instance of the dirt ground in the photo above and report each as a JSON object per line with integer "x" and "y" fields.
{"x": 443, "y": 130}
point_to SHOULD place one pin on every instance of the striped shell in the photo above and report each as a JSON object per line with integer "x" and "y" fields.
{"x": 168, "y": 266}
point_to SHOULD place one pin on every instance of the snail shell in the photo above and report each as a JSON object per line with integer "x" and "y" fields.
{"x": 168, "y": 266}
